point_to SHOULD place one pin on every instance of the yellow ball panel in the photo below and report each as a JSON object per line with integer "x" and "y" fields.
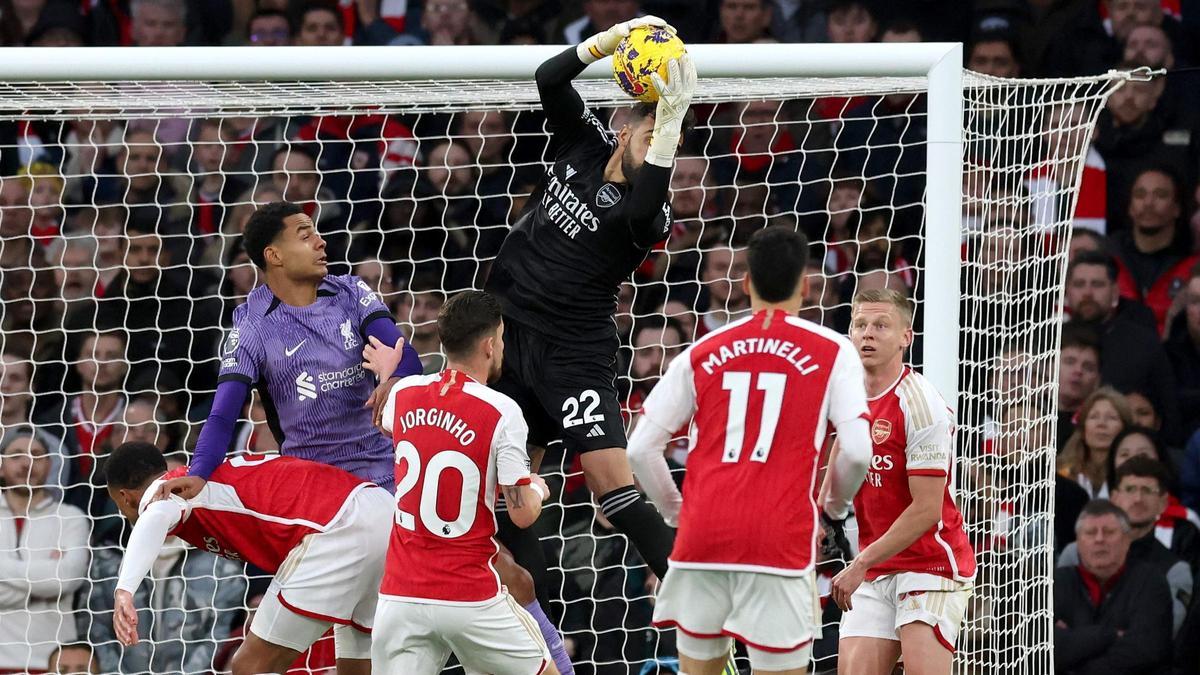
{"x": 646, "y": 51}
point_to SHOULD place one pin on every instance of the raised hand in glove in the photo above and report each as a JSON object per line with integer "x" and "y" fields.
{"x": 604, "y": 43}
{"x": 674, "y": 99}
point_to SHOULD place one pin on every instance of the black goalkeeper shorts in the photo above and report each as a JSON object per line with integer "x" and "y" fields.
{"x": 566, "y": 394}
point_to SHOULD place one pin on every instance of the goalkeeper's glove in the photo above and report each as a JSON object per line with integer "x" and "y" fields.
{"x": 604, "y": 43}
{"x": 835, "y": 547}
{"x": 674, "y": 98}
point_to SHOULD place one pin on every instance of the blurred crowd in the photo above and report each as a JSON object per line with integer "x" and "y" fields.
{"x": 121, "y": 263}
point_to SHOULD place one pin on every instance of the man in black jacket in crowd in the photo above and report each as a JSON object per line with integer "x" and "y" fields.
{"x": 1132, "y": 355}
{"x": 1111, "y": 615}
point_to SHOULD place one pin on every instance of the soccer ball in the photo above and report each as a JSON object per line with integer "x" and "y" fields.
{"x": 646, "y": 51}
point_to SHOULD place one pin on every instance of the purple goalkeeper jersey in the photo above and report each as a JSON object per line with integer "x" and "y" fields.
{"x": 306, "y": 363}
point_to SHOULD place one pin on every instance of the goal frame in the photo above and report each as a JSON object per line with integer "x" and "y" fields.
{"x": 941, "y": 63}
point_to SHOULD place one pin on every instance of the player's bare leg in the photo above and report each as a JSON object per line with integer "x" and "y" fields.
{"x": 611, "y": 479}
{"x": 924, "y": 653}
{"x": 256, "y": 655}
{"x": 690, "y": 666}
{"x": 868, "y": 656}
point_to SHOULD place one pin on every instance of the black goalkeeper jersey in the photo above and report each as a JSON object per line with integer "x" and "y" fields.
{"x": 580, "y": 237}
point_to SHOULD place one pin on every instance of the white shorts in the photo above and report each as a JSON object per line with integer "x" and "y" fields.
{"x": 776, "y": 617}
{"x": 497, "y": 637}
{"x": 882, "y": 606}
{"x": 331, "y": 577}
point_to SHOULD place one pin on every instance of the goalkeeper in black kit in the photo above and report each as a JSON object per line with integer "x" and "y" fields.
{"x": 599, "y": 210}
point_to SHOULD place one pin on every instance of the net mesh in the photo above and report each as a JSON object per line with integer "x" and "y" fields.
{"x": 120, "y": 219}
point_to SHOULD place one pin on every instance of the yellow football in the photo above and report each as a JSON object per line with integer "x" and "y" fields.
{"x": 646, "y": 51}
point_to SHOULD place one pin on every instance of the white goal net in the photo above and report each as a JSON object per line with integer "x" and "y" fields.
{"x": 121, "y": 207}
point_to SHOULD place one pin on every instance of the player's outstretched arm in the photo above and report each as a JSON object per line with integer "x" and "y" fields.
{"x": 669, "y": 406}
{"x": 145, "y": 542}
{"x": 654, "y": 180}
{"x": 647, "y": 445}
{"x": 561, "y": 103}
{"x": 848, "y": 464}
{"x": 215, "y": 438}
{"x": 525, "y": 500}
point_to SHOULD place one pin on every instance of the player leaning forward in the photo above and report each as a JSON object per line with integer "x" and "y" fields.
{"x": 321, "y": 531}
{"x": 601, "y": 207}
{"x": 457, "y": 444}
{"x": 762, "y": 394}
{"x": 907, "y": 589}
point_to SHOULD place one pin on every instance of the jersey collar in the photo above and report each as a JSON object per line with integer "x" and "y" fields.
{"x": 276, "y": 302}
{"x": 892, "y": 387}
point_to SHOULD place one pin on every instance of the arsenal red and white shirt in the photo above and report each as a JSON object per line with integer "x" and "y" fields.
{"x": 257, "y": 508}
{"x": 761, "y": 393}
{"x": 456, "y": 440}
{"x": 911, "y": 435}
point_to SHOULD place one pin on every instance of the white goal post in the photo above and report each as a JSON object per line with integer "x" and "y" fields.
{"x": 940, "y": 64}
{"x": 985, "y": 274}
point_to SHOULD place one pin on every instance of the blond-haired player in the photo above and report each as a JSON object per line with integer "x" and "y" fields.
{"x": 907, "y": 589}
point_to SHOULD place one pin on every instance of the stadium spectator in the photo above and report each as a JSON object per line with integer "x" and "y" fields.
{"x": 851, "y": 21}
{"x": 20, "y": 19}
{"x": 1183, "y": 350}
{"x": 146, "y": 189}
{"x": 449, "y": 22}
{"x": 59, "y": 24}
{"x": 1176, "y": 527}
{"x": 1112, "y": 613}
{"x": 418, "y": 314}
{"x": 86, "y": 416}
{"x": 379, "y": 276}
{"x": 74, "y": 658}
{"x": 1125, "y": 327}
{"x": 724, "y": 298}
{"x": 296, "y": 176}
{"x": 158, "y": 23}
{"x": 167, "y": 329}
{"x": 16, "y": 394}
{"x": 46, "y": 199}
{"x": 1065, "y": 130}
{"x": 1139, "y": 127}
{"x": 43, "y": 556}
{"x": 320, "y": 24}
{"x": 656, "y": 341}
{"x": 241, "y": 276}
{"x": 141, "y": 421}
{"x": 994, "y": 53}
{"x": 190, "y": 604}
{"x": 15, "y": 220}
{"x": 1084, "y": 458}
{"x": 1078, "y": 375}
{"x": 821, "y": 299}
{"x": 1157, "y": 260}
{"x": 269, "y": 28}
{"x": 743, "y": 21}
{"x": 1149, "y": 45}
{"x": 91, "y": 151}
{"x": 875, "y": 250}
{"x": 212, "y": 186}
{"x": 73, "y": 259}
{"x": 1140, "y": 491}
{"x": 762, "y": 161}
{"x": 599, "y": 15}
{"x": 488, "y": 138}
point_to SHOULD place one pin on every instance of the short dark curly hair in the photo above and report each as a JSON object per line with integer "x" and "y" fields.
{"x": 263, "y": 227}
{"x": 133, "y": 465}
